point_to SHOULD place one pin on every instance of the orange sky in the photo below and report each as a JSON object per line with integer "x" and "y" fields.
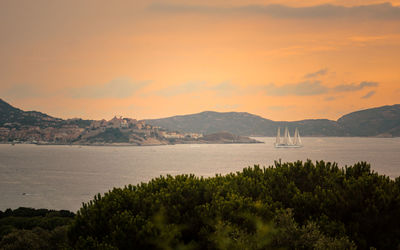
{"x": 283, "y": 60}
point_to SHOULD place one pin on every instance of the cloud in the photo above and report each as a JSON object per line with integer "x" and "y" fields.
{"x": 310, "y": 88}
{"x": 368, "y": 95}
{"x": 320, "y": 72}
{"x": 225, "y": 89}
{"x": 306, "y": 88}
{"x": 325, "y": 11}
{"x": 25, "y": 91}
{"x": 185, "y": 88}
{"x": 303, "y": 88}
{"x": 117, "y": 88}
{"x": 280, "y": 108}
{"x": 221, "y": 89}
{"x": 354, "y": 87}
{"x": 330, "y": 98}
{"x": 226, "y": 106}
{"x": 364, "y": 39}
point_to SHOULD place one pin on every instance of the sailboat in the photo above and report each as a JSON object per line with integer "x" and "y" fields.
{"x": 286, "y": 141}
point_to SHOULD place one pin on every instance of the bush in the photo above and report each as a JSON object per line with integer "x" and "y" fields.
{"x": 288, "y": 205}
{"x": 28, "y": 228}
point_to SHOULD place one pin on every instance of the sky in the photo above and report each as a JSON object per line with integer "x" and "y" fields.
{"x": 280, "y": 59}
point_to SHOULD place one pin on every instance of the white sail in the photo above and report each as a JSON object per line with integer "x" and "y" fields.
{"x": 278, "y": 136}
{"x": 286, "y": 141}
{"x": 298, "y": 141}
{"x": 289, "y": 140}
{"x": 296, "y": 135}
{"x": 285, "y": 136}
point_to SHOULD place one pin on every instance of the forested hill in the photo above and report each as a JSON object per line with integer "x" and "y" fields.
{"x": 16, "y": 117}
{"x": 10, "y": 114}
{"x": 212, "y": 122}
{"x": 376, "y": 121}
{"x": 382, "y": 121}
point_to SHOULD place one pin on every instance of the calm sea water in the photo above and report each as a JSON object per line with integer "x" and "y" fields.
{"x": 62, "y": 177}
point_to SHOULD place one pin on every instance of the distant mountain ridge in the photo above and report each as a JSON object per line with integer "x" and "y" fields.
{"x": 382, "y": 121}
{"x": 18, "y": 117}
{"x": 18, "y": 126}
{"x": 10, "y": 114}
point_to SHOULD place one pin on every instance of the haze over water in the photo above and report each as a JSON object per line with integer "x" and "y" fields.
{"x": 62, "y": 177}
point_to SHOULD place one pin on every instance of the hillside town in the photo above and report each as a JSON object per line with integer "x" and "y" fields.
{"x": 77, "y": 131}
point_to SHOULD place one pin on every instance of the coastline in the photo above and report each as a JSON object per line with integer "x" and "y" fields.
{"x": 130, "y": 144}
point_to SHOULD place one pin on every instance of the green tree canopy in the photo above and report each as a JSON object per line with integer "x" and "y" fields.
{"x": 298, "y": 205}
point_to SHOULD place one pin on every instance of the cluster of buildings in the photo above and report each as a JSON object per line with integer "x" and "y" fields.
{"x": 120, "y": 123}
{"x": 177, "y": 135}
{"x": 34, "y": 134}
{"x": 70, "y": 131}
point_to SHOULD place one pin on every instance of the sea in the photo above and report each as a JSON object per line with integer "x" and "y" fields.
{"x": 64, "y": 177}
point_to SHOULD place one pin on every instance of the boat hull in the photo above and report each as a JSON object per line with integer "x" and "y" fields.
{"x": 288, "y": 146}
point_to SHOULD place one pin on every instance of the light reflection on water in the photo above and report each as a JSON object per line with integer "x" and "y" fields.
{"x": 62, "y": 177}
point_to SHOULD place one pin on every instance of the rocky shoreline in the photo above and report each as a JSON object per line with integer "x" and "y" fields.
{"x": 217, "y": 138}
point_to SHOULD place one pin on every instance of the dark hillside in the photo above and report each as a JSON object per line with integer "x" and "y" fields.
{"x": 382, "y": 121}
{"x": 208, "y": 122}
{"x": 373, "y": 122}
{"x": 16, "y": 117}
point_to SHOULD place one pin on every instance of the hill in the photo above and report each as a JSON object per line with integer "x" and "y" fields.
{"x": 381, "y": 121}
{"x": 16, "y": 118}
{"x": 11, "y": 115}
{"x": 17, "y": 125}
{"x": 209, "y": 122}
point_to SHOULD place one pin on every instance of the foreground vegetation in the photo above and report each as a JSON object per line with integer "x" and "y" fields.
{"x": 288, "y": 206}
{"x": 28, "y": 228}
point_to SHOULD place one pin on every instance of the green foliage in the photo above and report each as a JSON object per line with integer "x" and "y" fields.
{"x": 79, "y": 122}
{"x": 110, "y": 135}
{"x": 289, "y": 205}
{"x": 37, "y": 238}
{"x": 28, "y": 228}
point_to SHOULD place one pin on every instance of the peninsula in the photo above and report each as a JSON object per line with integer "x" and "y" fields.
{"x": 18, "y": 126}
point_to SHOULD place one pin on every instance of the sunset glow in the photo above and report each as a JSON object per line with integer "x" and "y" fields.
{"x": 281, "y": 60}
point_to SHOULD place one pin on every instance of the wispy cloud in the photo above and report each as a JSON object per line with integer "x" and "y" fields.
{"x": 310, "y": 88}
{"x": 368, "y": 38}
{"x": 354, "y": 87}
{"x": 306, "y": 88}
{"x": 225, "y": 89}
{"x": 333, "y": 97}
{"x": 186, "y": 88}
{"x": 320, "y": 72}
{"x": 280, "y": 108}
{"x": 222, "y": 89}
{"x": 326, "y": 11}
{"x": 226, "y": 106}
{"x": 330, "y": 98}
{"x": 117, "y": 88}
{"x": 369, "y": 94}
{"x": 24, "y": 90}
